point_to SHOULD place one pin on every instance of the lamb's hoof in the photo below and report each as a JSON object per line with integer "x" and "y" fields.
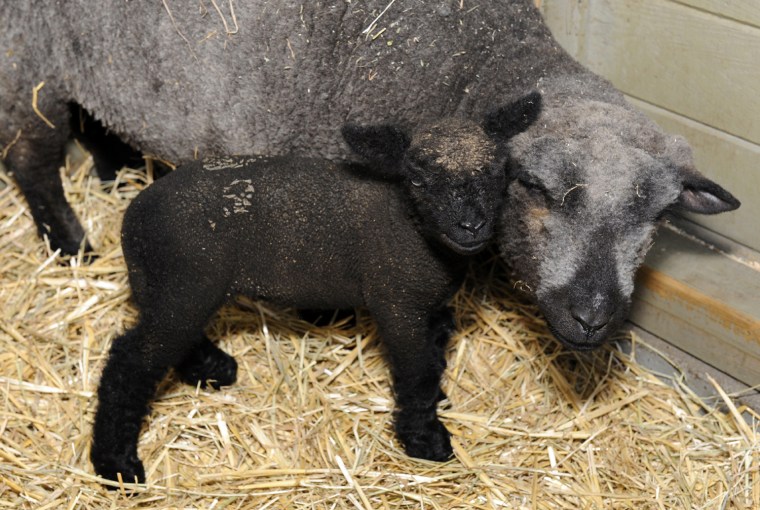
{"x": 88, "y": 255}
{"x": 109, "y": 466}
{"x": 424, "y": 436}
{"x": 208, "y": 367}
{"x": 70, "y": 246}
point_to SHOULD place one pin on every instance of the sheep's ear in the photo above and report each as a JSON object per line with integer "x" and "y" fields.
{"x": 383, "y": 146}
{"x": 701, "y": 195}
{"x": 513, "y": 118}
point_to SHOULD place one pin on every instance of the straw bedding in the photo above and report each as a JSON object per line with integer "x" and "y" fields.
{"x": 308, "y": 425}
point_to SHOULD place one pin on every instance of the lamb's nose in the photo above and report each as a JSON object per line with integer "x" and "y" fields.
{"x": 591, "y": 320}
{"x": 472, "y": 226}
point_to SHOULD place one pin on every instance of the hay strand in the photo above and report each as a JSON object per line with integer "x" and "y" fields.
{"x": 10, "y": 144}
{"x": 35, "y": 91}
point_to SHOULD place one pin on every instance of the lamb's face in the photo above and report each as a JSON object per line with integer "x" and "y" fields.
{"x": 453, "y": 170}
{"x": 455, "y": 177}
{"x": 585, "y": 201}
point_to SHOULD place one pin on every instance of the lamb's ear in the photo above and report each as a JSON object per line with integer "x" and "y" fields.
{"x": 382, "y": 146}
{"x": 513, "y": 118}
{"x": 701, "y": 195}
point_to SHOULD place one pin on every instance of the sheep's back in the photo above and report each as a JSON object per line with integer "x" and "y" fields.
{"x": 170, "y": 79}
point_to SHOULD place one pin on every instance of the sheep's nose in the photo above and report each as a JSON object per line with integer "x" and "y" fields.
{"x": 591, "y": 320}
{"x": 472, "y": 226}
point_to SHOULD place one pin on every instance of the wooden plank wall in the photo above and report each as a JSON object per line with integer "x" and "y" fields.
{"x": 694, "y": 67}
{"x": 706, "y": 304}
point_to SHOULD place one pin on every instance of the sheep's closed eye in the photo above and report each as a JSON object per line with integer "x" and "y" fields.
{"x": 533, "y": 186}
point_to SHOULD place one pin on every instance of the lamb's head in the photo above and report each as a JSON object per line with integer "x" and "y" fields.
{"x": 453, "y": 170}
{"x": 591, "y": 183}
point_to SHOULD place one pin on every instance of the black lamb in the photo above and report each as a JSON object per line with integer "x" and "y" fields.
{"x": 391, "y": 236}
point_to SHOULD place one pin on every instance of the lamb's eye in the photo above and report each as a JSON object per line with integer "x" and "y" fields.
{"x": 417, "y": 181}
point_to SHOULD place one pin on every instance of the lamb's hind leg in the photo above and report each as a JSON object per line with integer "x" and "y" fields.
{"x": 415, "y": 347}
{"x": 136, "y": 364}
{"x": 127, "y": 385}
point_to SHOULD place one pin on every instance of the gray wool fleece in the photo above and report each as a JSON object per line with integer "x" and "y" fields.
{"x": 167, "y": 78}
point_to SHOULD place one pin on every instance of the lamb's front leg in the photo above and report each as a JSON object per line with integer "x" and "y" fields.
{"x": 415, "y": 343}
{"x": 208, "y": 365}
{"x": 442, "y": 326}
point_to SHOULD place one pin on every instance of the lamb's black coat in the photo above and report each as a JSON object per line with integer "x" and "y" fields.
{"x": 314, "y": 235}
{"x": 309, "y": 234}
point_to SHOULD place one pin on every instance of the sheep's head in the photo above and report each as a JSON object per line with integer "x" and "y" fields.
{"x": 453, "y": 170}
{"x": 591, "y": 183}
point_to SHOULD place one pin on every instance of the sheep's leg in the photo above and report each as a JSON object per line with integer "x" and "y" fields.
{"x": 415, "y": 343}
{"x": 34, "y": 159}
{"x": 127, "y": 385}
{"x": 138, "y": 361}
{"x": 208, "y": 365}
{"x": 109, "y": 152}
